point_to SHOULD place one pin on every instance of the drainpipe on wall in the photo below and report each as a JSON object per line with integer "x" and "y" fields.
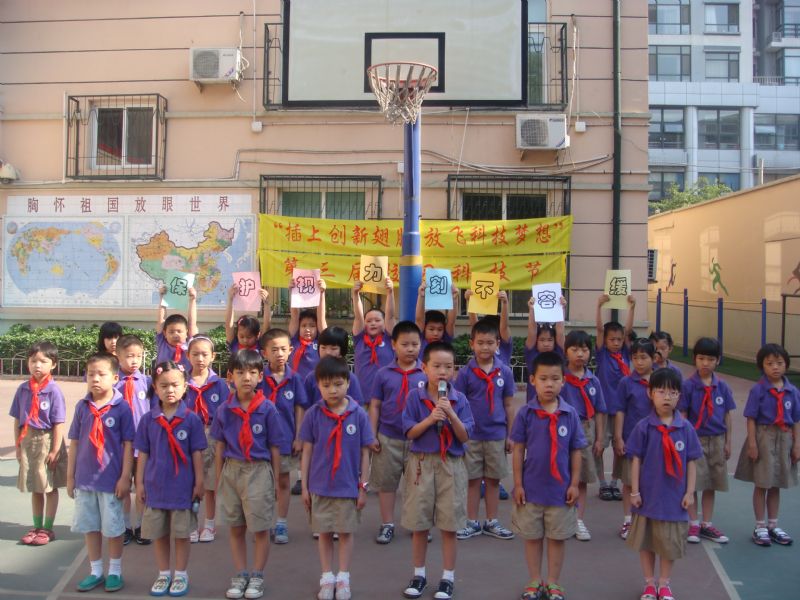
{"x": 617, "y": 182}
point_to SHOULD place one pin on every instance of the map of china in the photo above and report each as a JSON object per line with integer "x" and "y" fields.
{"x": 159, "y": 255}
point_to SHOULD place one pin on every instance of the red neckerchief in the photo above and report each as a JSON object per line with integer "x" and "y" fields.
{"x": 671, "y": 456}
{"x": 128, "y": 390}
{"x": 779, "y": 418}
{"x": 97, "y": 435}
{"x": 174, "y": 446}
{"x": 489, "y": 379}
{"x": 445, "y": 437}
{"x": 553, "y": 430}
{"x": 298, "y": 354}
{"x": 335, "y": 436}
{"x": 706, "y": 406}
{"x": 581, "y": 385}
{"x": 245, "y": 434}
{"x": 401, "y": 396}
{"x": 274, "y": 387}
{"x": 200, "y": 405}
{"x": 623, "y": 367}
{"x": 373, "y": 358}
{"x": 178, "y": 353}
{"x": 33, "y": 413}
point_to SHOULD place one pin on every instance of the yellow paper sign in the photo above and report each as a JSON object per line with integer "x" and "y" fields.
{"x": 485, "y": 287}
{"x": 373, "y": 273}
{"x": 618, "y": 288}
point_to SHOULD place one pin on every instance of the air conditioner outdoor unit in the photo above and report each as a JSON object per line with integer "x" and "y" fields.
{"x": 542, "y": 131}
{"x": 215, "y": 65}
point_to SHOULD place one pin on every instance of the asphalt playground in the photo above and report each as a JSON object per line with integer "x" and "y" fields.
{"x": 604, "y": 568}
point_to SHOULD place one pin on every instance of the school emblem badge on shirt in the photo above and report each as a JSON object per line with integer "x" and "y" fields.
{"x": 679, "y": 445}
{"x": 592, "y": 391}
{"x": 719, "y": 400}
{"x": 142, "y": 394}
{"x": 350, "y": 429}
{"x": 562, "y": 431}
{"x": 109, "y": 422}
{"x": 500, "y": 382}
{"x": 214, "y": 398}
{"x": 44, "y": 405}
{"x": 257, "y": 428}
{"x": 420, "y": 384}
{"x": 181, "y": 435}
{"x": 288, "y": 394}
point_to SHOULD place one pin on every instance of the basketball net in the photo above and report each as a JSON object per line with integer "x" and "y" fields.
{"x": 400, "y": 88}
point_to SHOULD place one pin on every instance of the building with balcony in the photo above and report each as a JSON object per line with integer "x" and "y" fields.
{"x": 724, "y": 92}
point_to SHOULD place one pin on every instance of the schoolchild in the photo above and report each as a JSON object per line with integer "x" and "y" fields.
{"x": 771, "y": 450}
{"x": 438, "y": 421}
{"x": 39, "y": 413}
{"x": 107, "y": 337}
{"x": 243, "y": 333}
{"x": 542, "y": 337}
{"x": 664, "y": 345}
{"x": 333, "y": 341}
{"x": 435, "y": 325}
{"x": 248, "y": 434}
{"x": 174, "y": 332}
{"x": 99, "y": 470}
{"x": 372, "y": 348}
{"x": 336, "y": 434}
{"x": 169, "y": 476}
{"x": 304, "y": 328}
{"x": 505, "y": 348}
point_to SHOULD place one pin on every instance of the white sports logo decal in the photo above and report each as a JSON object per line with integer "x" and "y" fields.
{"x": 679, "y": 445}
{"x": 109, "y": 422}
{"x": 181, "y": 435}
{"x": 562, "y": 431}
{"x": 350, "y": 429}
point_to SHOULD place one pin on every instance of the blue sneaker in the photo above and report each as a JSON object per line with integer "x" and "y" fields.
{"x": 503, "y": 492}
{"x": 281, "y": 533}
{"x": 89, "y": 583}
{"x": 114, "y": 583}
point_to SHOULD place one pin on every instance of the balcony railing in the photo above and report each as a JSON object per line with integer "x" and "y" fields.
{"x": 786, "y": 30}
{"x": 769, "y": 79}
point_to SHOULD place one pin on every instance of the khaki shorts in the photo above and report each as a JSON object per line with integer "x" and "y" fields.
{"x": 486, "y": 459}
{"x": 209, "y": 469}
{"x": 608, "y": 421}
{"x": 774, "y": 466}
{"x": 334, "y": 515}
{"x": 158, "y": 523}
{"x": 288, "y": 464}
{"x": 34, "y": 474}
{"x": 588, "y": 474}
{"x": 388, "y": 464}
{"x": 712, "y": 468}
{"x": 667, "y": 539}
{"x": 622, "y": 469}
{"x": 533, "y": 521}
{"x": 435, "y": 493}
{"x": 246, "y": 494}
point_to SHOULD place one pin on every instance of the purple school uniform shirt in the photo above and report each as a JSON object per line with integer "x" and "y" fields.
{"x": 763, "y": 407}
{"x": 166, "y": 351}
{"x": 488, "y": 425}
{"x": 417, "y": 411}
{"x": 117, "y": 428}
{"x": 530, "y": 354}
{"x": 387, "y": 388}
{"x": 609, "y": 373}
{"x": 291, "y": 393}
{"x": 362, "y": 354}
{"x": 215, "y": 391}
{"x": 446, "y": 337}
{"x": 691, "y": 403}
{"x": 52, "y": 407}
{"x": 662, "y": 493}
{"x": 504, "y": 350}
{"x": 265, "y": 425}
{"x": 234, "y": 347}
{"x": 670, "y": 365}
{"x": 631, "y": 399}
{"x": 141, "y": 401}
{"x": 534, "y": 431}
{"x": 572, "y": 395}
{"x": 356, "y": 433}
{"x": 313, "y": 395}
{"x": 309, "y": 360}
{"x": 163, "y": 487}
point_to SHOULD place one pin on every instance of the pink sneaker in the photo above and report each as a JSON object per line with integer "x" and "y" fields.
{"x": 664, "y": 593}
{"x": 625, "y": 530}
{"x": 693, "y": 537}
{"x": 649, "y": 593}
{"x": 28, "y": 537}
{"x": 43, "y": 537}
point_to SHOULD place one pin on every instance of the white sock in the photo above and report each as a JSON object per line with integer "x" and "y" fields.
{"x": 97, "y": 567}
{"x": 183, "y": 574}
{"x": 164, "y": 573}
{"x": 419, "y": 571}
{"x": 385, "y": 524}
{"x": 694, "y": 523}
{"x": 209, "y": 524}
{"x": 327, "y": 577}
{"x": 627, "y": 519}
{"x": 280, "y": 521}
{"x": 706, "y": 524}
{"x": 343, "y": 576}
{"x": 449, "y": 575}
{"x": 115, "y": 566}
{"x": 490, "y": 522}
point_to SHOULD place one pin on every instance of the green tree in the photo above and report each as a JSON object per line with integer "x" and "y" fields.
{"x": 700, "y": 192}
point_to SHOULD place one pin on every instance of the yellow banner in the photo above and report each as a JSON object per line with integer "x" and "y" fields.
{"x": 340, "y": 271}
{"x": 437, "y": 238}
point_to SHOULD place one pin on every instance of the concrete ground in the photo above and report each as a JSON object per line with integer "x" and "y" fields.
{"x": 603, "y": 568}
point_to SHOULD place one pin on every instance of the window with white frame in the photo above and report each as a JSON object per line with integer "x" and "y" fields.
{"x": 722, "y": 66}
{"x": 668, "y": 17}
{"x": 123, "y": 136}
{"x": 722, "y": 18}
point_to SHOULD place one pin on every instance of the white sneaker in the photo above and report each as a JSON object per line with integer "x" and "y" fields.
{"x": 582, "y": 533}
{"x": 194, "y": 537}
{"x": 207, "y": 535}
{"x": 255, "y": 588}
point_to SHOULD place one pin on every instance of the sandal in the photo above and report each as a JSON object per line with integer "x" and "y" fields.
{"x": 535, "y": 590}
{"x": 28, "y": 537}
{"x": 555, "y": 592}
{"x": 161, "y": 585}
{"x": 43, "y": 537}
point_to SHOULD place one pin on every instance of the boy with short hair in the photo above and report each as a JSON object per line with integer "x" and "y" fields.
{"x": 548, "y": 439}
{"x": 333, "y": 341}
{"x": 283, "y": 388}
{"x": 336, "y": 434}
{"x": 99, "y": 469}
{"x": 707, "y": 401}
{"x": 135, "y": 388}
{"x": 248, "y": 433}
{"x": 435, "y": 325}
{"x": 304, "y": 327}
{"x": 39, "y": 413}
{"x": 505, "y": 347}
{"x": 613, "y": 357}
{"x": 488, "y": 384}
{"x": 388, "y": 399}
{"x": 438, "y": 421}
{"x": 173, "y": 333}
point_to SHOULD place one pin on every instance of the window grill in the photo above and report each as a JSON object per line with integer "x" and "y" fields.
{"x": 116, "y": 136}
{"x": 546, "y": 59}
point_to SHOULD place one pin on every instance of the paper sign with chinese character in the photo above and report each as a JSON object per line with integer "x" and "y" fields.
{"x": 547, "y": 303}
{"x": 618, "y": 288}
{"x": 485, "y": 287}
{"x": 305, "y": 292}
{"x": 438, "y": 289}
{"x": 178, "y": 285}
{"x": 248, "y": 297}
{"x": 373, "y": 273}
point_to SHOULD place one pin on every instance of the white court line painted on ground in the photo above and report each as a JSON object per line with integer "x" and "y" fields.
{"x": 68, "y": 573}
{"x": 721, "y": 573}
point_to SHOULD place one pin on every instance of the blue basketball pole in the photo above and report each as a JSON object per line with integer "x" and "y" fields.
{"x": 411, "y": 260}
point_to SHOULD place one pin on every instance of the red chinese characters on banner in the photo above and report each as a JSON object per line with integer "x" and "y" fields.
{"x": 521, "y": 233}
{"x": 381, "y": 236}
{"x": 543, "y": 234}
{"x": 289, "y": 265}
{"x": 461, "y": 272}
{"x": 477, "y": 234}
{"x": 293, "y": 232}
{"x": 355, "y": 271}
{"x": 394, "y": 272}
{"x": 500, "y": 269}
{"x": 359, "y": 236}
{"x": 460, "y": 239}
{"x": 324, "y": 273}
{"x": 499, "y": 236}
{"x": 338, "y": 235}
{"x": 533, "y": 268}
{"x": 313, "y": 237}
{"x": 399, "y": 239}
{"x": 432, "y": 238}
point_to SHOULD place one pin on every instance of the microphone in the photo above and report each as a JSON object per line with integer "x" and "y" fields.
{"x": 442, "y": 394}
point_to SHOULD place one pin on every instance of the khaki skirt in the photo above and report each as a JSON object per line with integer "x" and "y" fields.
{"x": 774, "y": 466}
{"x": 667, "y": 539}
{"x": 588, "y": 474}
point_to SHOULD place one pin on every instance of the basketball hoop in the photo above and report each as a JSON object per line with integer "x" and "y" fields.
{"x": 400, "y": 88}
